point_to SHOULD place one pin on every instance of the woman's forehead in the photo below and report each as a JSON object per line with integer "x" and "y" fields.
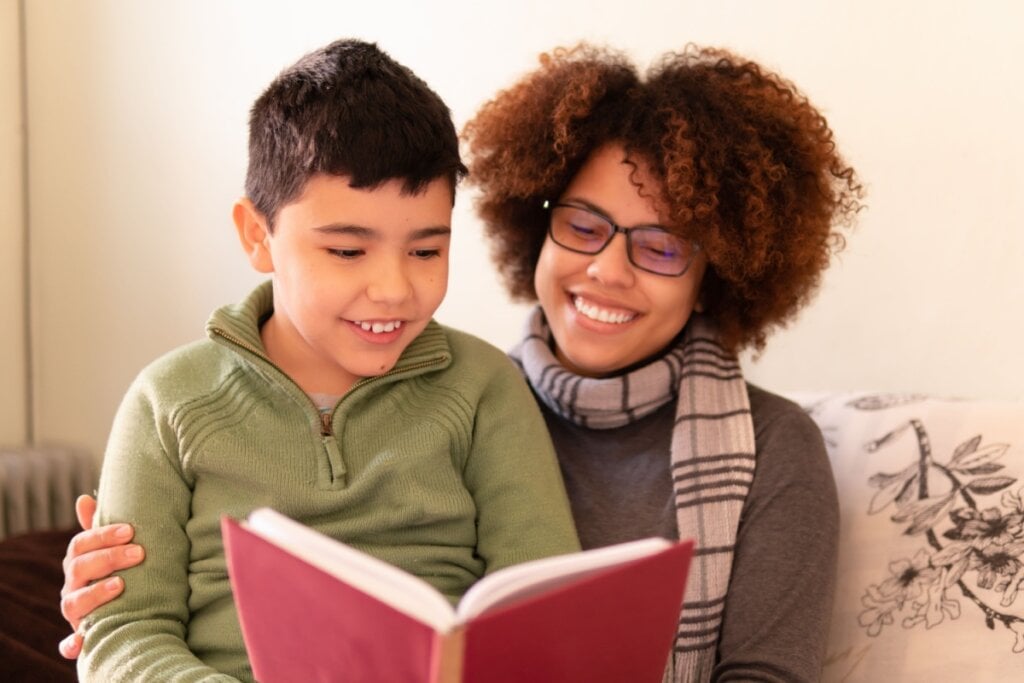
{"x": 622, "y": 185}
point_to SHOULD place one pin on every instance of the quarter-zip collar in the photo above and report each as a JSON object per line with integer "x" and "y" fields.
{"x": 238, "y": 328}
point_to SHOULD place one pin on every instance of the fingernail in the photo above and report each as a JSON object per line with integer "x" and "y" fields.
{"x": 123, "y": 532}
{"x": 133, "y": 552}
{"x": 112, "y": 584}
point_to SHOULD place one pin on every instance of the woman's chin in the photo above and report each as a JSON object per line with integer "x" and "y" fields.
{"x": 589, "y": 362}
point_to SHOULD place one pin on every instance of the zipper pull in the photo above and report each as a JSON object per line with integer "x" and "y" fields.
{"x": 334, "y": 458}
{"x": 332, "y": 449}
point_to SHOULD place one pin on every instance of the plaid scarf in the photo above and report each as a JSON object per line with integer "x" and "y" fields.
{"x": 712, "y": 456}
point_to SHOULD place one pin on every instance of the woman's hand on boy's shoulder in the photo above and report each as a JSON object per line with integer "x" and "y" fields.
{"x": 92, "y": 556}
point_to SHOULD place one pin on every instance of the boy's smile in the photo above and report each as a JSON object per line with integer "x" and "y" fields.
{"x": 378, "y": 332}
{"x": 358, "y": 274}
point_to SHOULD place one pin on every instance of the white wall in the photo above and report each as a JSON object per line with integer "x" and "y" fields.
{"x": 12, "y": 347}
{"x": 137, "y": 149}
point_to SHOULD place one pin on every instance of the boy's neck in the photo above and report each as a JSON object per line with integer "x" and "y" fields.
{"x": 311, "y": 376}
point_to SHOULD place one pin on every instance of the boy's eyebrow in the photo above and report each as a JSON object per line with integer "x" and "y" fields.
{"x": 370, "y": 233}
{"x": 343, "y": 229}
{"x": 437, "y": 231}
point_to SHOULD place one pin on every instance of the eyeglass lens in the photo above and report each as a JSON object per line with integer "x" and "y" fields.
{"x": 652, "y": 249}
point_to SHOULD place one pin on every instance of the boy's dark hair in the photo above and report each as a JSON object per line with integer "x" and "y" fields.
{"x": 347, "y": 109}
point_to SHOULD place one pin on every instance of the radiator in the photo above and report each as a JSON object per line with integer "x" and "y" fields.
{"x": 38, "y": 487}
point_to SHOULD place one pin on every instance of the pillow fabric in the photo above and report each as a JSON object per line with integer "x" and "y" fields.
{"x": 931, "y": 560}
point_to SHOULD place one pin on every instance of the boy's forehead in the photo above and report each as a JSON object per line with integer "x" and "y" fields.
{"x": 331, "y": 200}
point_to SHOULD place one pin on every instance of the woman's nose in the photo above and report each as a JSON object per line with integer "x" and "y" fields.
{"x": 612, "y": 266}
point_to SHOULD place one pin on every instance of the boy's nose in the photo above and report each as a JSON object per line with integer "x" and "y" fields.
{"x": 389, "y": 284}
{"x": 612, "y": 266}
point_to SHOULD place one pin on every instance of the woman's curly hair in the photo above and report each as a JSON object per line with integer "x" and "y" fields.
{"x": 748, "y": 168}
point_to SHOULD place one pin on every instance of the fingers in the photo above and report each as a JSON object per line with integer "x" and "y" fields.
{"x": 71, "y": 646}
{"x": 90, "y": 558}
{"x": 85, "y": 543}
{"x": 76, "y": 605}
{"x": 96, "y": 554}
{"x": 85, "y": 508}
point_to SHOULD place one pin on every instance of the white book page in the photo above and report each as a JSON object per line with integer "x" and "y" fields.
{"x": 530, "y": 578}
{"x": 404, "y": 592}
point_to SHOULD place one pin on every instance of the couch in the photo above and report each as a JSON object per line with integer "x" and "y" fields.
{"x": 931, "y": 564}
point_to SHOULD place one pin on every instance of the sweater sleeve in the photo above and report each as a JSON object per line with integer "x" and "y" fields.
{"x": 522, "y": 509}
{"x": 779, "y": 602}
{"x": 141, "y": 635}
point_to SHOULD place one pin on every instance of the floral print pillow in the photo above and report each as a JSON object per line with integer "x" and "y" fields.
{"x": 931, "y": 564}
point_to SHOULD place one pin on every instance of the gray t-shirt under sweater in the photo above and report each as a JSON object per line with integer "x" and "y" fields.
{"x": 779, "y": 602}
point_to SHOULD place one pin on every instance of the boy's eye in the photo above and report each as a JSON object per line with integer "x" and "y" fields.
{"x": 347, "y": 253}
{"x": 426, "y": 253}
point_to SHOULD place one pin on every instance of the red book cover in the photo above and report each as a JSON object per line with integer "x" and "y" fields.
{"x": 302, "y": 624}
{"x": 603, "y": 615}
{"x": 615, "y": 626}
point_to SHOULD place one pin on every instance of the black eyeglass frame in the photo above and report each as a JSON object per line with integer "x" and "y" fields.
{"x": 550, "y": 206}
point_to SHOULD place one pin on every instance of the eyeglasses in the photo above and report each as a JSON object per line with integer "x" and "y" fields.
{"x": 649, "y": 248}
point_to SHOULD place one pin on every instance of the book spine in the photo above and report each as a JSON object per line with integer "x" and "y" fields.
{"x": 447, "y": 656}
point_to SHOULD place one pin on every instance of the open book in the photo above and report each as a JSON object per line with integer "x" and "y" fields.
{"x": 314, "y": 609}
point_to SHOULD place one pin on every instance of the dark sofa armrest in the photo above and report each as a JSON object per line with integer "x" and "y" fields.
{"x": 31, "y": 576}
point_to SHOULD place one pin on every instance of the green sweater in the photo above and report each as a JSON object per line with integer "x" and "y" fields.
{"x": 442, "y": 466}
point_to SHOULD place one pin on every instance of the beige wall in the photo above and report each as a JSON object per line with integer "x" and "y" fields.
{"x": 12, "y": 349}
{"x": 137, "y": 149}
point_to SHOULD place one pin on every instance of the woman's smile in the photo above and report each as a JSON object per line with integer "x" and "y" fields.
{"x": 598, "y": 312}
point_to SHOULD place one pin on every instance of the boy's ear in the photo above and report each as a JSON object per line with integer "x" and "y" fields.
{"x": 254, "y": 234}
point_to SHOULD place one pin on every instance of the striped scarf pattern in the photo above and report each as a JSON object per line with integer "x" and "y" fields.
{"x": 712, "y": 456}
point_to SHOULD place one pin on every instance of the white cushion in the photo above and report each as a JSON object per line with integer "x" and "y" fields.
{"x": 931, "y": 580}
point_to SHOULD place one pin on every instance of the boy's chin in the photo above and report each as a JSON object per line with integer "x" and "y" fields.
{"x": 381, "y": 364}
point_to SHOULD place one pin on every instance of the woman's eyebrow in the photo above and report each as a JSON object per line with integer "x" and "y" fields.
{"x": 583, "y": 203}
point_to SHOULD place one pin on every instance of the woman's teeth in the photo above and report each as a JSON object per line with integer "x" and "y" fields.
{"x": 600, "y": 314}
{"x": 378, "y": 328}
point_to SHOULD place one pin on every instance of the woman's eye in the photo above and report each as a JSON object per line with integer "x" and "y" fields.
{"x": 583, "y": 230}
{"x": 666, "y": 254}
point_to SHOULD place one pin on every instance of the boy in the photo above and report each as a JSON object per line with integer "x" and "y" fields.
{"x": 329, "y": 393}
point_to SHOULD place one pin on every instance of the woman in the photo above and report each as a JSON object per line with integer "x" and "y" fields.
{"x": 727, "y": 188}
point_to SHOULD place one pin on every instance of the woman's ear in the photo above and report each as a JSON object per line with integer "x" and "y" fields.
{"x": 254, "y": 234}
{"x": 703, "y": 274}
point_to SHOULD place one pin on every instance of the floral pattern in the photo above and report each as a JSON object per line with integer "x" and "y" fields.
{"x": 969, "y": 516}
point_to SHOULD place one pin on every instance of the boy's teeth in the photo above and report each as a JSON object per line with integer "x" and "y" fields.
{"x": 377, "y": 328}
{"x": 599, "y": 314}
